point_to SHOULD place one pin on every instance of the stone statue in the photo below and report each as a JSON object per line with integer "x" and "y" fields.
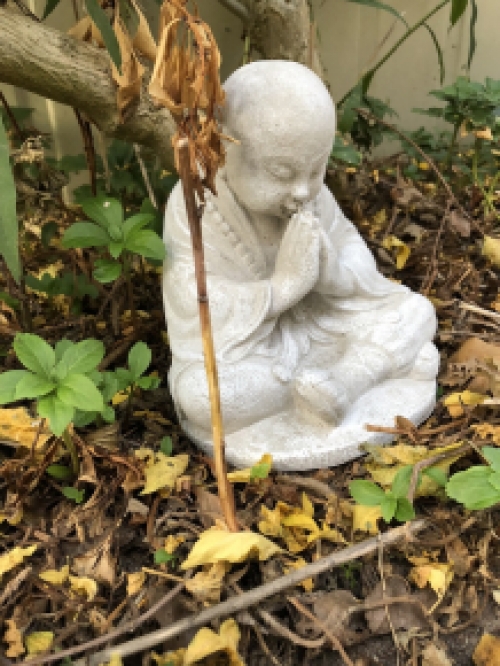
{"x": 312, "y": 342}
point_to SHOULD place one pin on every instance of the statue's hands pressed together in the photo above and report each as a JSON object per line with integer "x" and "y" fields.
{"x": 297, "y": 263}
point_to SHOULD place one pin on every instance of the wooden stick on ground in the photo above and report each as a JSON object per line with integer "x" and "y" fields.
{"x": 194, "y": 218}
{"x": 242, "y": 602}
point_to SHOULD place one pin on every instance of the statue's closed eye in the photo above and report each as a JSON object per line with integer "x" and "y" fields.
{"x": 281, "y": 171}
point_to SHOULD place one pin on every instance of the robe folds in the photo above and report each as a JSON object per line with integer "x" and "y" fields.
{"x": 338, "y": 310}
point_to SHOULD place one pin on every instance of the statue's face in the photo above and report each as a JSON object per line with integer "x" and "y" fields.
{"x": 278, "y": 168}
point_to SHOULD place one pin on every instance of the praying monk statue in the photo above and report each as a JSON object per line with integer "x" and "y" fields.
{"x": 312, "y": 342}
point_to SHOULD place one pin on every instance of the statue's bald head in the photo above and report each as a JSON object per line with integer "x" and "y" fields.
{"x": 284, "y": 120}
{"x": 274, "y": 99}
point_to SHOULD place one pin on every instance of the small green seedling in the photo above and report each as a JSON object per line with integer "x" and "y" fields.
{"x": 122, "y": 238}
{"x": 479, "y": 486}
{"x": 162, "y": 557}
{"x": 57, "y": 378}
{"x": 139, "y": 360}
{"x": 75, "y": 287}
{"x": 393, "y": 503}
{"x": 166, "y": 446}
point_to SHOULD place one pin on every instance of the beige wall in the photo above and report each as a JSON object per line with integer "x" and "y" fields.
{"x": 351, "y": 39}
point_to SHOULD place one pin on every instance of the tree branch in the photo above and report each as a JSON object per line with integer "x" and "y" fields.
{"x": 52, "y": 64}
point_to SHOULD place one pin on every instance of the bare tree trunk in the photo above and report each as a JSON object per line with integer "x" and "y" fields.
{"x": 52, "y": 64}
{"x": 282, "y": 30}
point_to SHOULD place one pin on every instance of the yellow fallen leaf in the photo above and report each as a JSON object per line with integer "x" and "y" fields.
{"x": 487, "y": 652}
{"x": 56, "y": 577}
{"x": 13, "y": 518}
{"x": 175, "y": 658}
{"x": 307, "y": 506}
{"x": 172, "y": 542}
{"x": 423, "y": 166}
{"x": 400, "y": 250}
{"x": 486, "y": 430}
{"x": 245, "y": 475}
{"x": 135, "y": 581}
{"x": 491, "y": 250}
{"x": 38, "y": 642}
{"x": 206, "y": 586}
{"x": 19, "y": 428}
{"x": 435, "y": 574}
{"x": 293, "y": 565}
{"x": 300, "y": 520}
{"x": 484, "y": 134}
{"x": 455, "y": 401}
{"x": 207, "y": 642}
{"x": 14, "y": 557}
{"x": 119, "y": 398}
{"x": 83, "y": 586}
{"x": 364, "y": 518}
{"x": 115, "y": 660}
{"x": 14, "y": 640}
{"x": 162, "y": 471}
{"x": 214, "y": 545}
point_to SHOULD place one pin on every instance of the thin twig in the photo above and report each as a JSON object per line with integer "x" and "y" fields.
{"x": 224, "y": 487}
{"x": 475, "y": 308}
{"x": 305, "y": 482}
{"x": 428, "y": 462}
{"x": 333, "y": 639}
{"x": 380, "y": 561}
{"x": 236, "y": 604}
{"x": 237, "y": 8}
{"x": 434, "y": 262}
{"x": 12, "y": 117}
{"x": 145, "y": 176}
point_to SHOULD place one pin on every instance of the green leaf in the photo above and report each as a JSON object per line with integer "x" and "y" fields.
{"x": 494, "y": 480}
{"x": 124, "y": 378}
{"x": 166, "y": 446}
{"x": 9, "y": 231}
{"x": 388, "y": 507}
{"x": 116, "y": 248}
{"x": 139, "y": 359}
{"x": 129, "y": 16}
{"x": 147, "y": 244}
{"x": 442, "y": 71}
{"x": 260, "y": 471}
{"x": 381, "y": 5}
{"x": 404, "y": 510}
{"x": 8, "y": 384}
{"x": 33, "y": 386}
{"x": 492, "y": 455}
{"x": 103, "y": 210}
{"x": 401, "y": 482}
{"x": 49, "y": 230}
{"x": 60, "y": 472}
{"x": 80, "y": 358}
{"x": 471, "y": 488}
{"x": 345, "y": 152}
{"x": 136, "y": 222}
{"x": 77, "y": 391}
{"x": 99, "y": 17}
{"x": 74, "y": 494}
{"x": 107, "y": 270}
{"x": 366, "y": 493}
{"x": 85, "y": 234}
{"x": 35, "y": 354}
{"x": 61, "y": 347}
{"x": 458, "y": 7}
{"x": 108, "y": 414}
{"x": 437, "y": 475}
{"x": 161, "y": 556}
{"x": 472, "y": 33}
{"x": 148, "y": 383}
{"x": 58, "y": 413}
{"x": 9, "y": 300}
{"x": 49, "y": 8}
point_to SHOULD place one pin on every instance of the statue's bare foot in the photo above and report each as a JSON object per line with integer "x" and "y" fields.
{"x": 319, "y": 398}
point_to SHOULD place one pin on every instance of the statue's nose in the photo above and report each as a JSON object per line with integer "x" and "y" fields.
{"x": 301, "y": 193}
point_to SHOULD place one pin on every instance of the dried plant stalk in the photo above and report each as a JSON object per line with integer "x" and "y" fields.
{"x": 225, "y": 489}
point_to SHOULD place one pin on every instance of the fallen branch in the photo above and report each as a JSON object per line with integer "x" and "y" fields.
{"x": 236, "y": 604}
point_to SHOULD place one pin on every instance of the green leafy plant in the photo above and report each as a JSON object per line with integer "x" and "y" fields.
{"x": 128, "y": 379}
{"x": 477, "y": 487}
{"x": 365, "y": 133}
{"x": 470, "y": 107}
{"x": 57, "y": 378}
{"x": 393, "y": 503}
{"x": 121, "y": 237}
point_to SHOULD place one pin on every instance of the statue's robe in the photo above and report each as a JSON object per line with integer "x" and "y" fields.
{"x": 338, "y": 311}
